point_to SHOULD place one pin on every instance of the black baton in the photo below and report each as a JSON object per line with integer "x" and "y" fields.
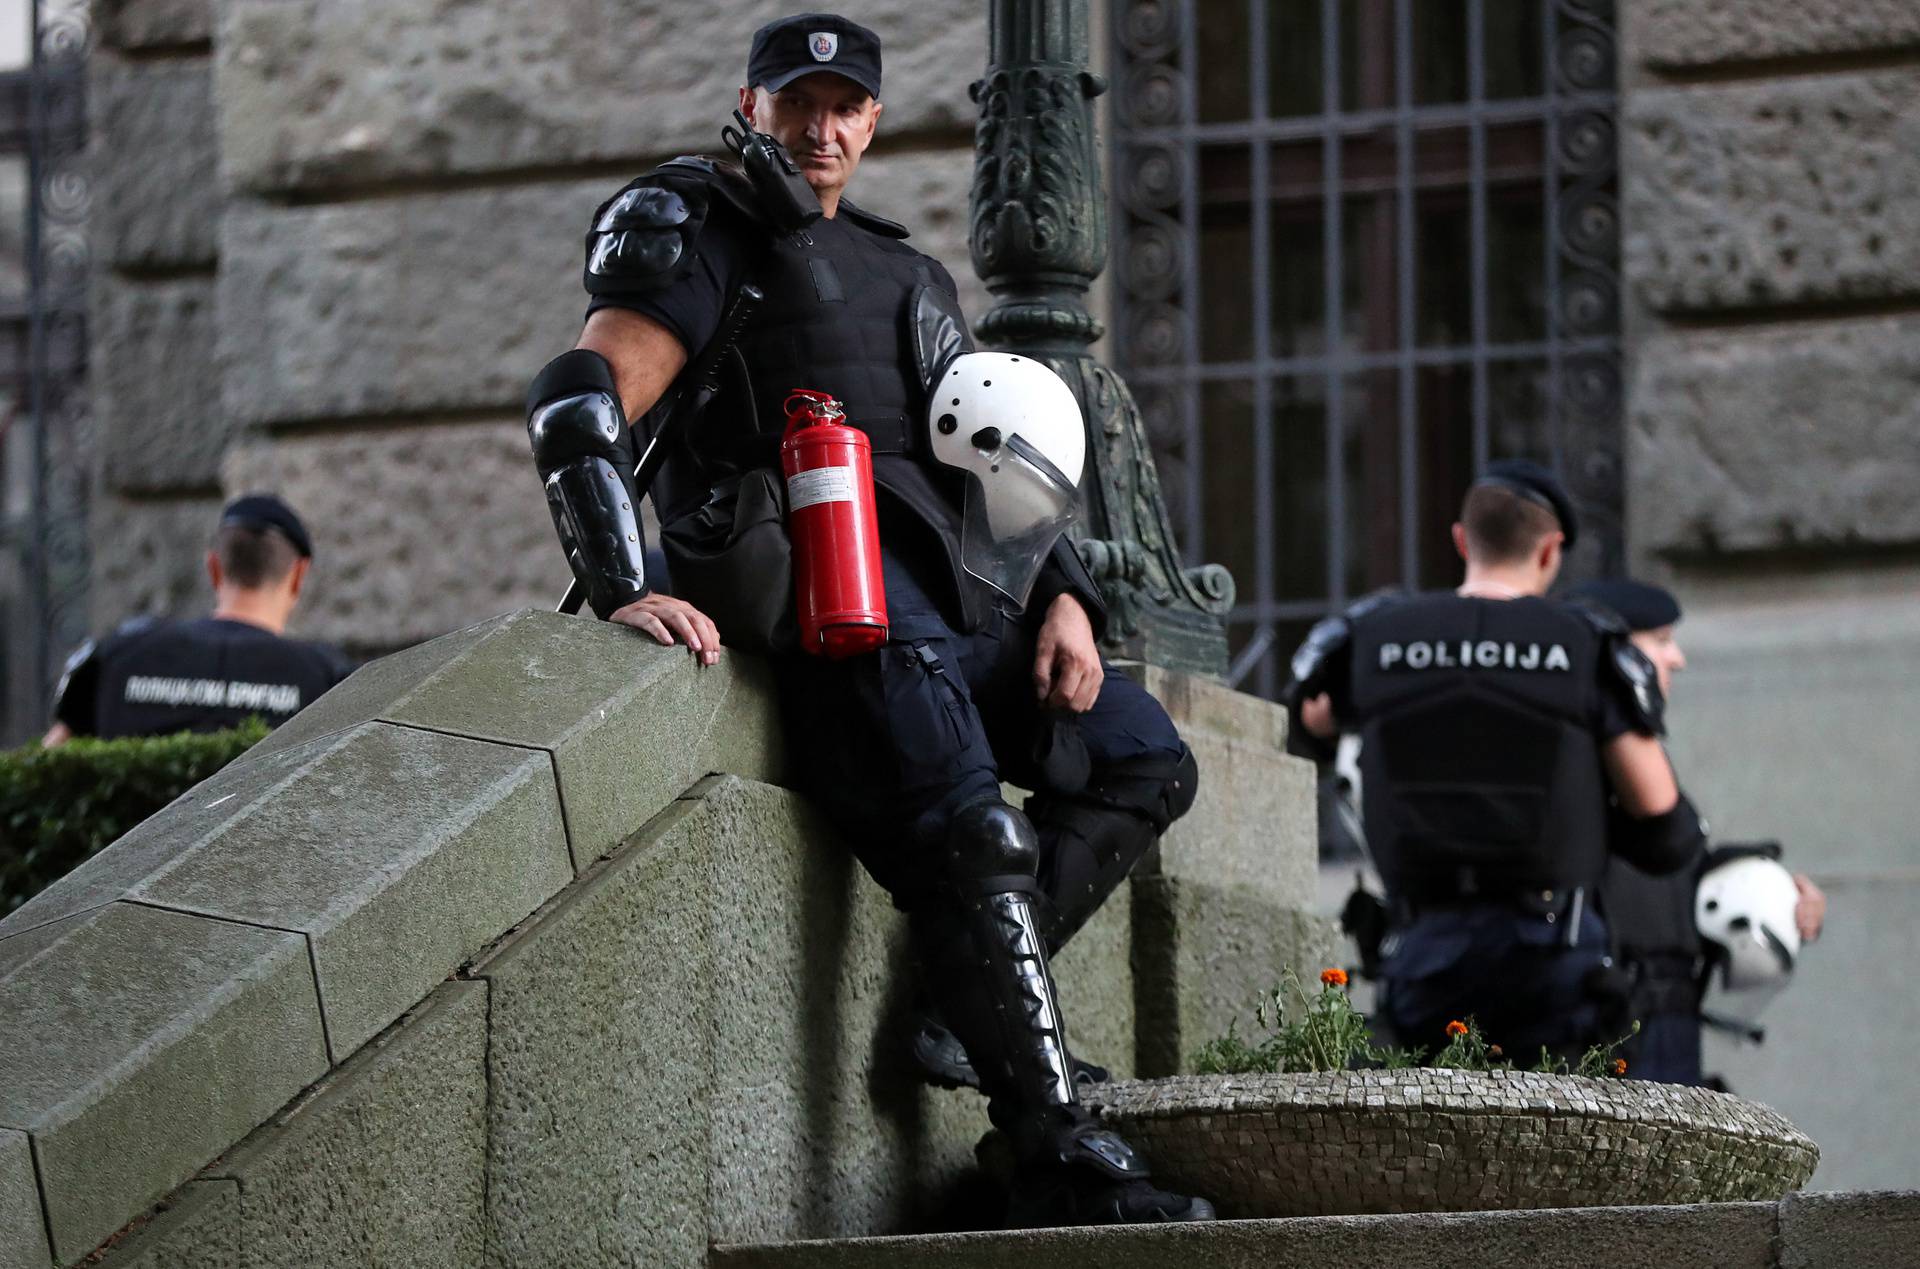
{"x": 702, "y": 382}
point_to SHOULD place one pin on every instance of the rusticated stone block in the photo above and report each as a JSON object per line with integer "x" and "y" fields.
{"x": 157, "y": 397}
{"x": 404, "y": 305}
{"x": 1679, "y": 34}
{"x": 1777, "y": 439}
{"x": 600, "y": 1096}
{"x": 23, "y": 1226}
{"x": 198, "y": 1226}
{"x": 1204, "y": 954}
{"x": 142, "y": 24}
{"x": 1252, "y": 824}
{"x": 397, "y": 853}
{"x": 384, "y": 1163}
{"x": 631, "y": 725}
{"x": 158, "y": 203}
{"x": 396, "y": 317}
{"x": 139, "y": 1044}
{"x": 320, "y": 94}
{"x": 150, "y": 557}
{"x": 417, "y": 529}
{"x": 808, "y": 1054}
{"x": 1785, "y": 192}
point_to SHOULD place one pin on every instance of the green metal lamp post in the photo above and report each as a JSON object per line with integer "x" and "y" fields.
{"x": 1039, "y": 239}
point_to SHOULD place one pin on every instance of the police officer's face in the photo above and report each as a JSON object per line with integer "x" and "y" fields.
{"x": 1663, "y": 650}
{"x": 825, "y": 120}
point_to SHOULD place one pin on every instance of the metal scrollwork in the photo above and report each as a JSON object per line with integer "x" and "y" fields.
{"x": 1039, "y": 238}
{"x": 1587, "y": 237}
{"x": 51, "y": 385}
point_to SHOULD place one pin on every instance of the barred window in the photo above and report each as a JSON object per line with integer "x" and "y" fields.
{"x": 1361, "y": 246}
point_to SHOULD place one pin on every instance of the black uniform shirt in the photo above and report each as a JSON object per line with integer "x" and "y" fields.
{"x": 723, "y": 256}
{"x": 151, "y": 678}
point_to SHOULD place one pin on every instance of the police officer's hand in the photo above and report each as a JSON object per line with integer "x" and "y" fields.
{"x": 1066, "y": 661}
{"x": 671, "y": 620}
{"x": 1810, "y": 913}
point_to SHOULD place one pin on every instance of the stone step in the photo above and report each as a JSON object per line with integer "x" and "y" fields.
{"x": 1802, "y": 1231}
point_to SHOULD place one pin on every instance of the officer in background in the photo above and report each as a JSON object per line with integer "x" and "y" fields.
{"x": 153, "y": 677}
{"x": 1495, "y": 723}
{"x": 1655, "y": 934}
{"x": 905, "y": 747}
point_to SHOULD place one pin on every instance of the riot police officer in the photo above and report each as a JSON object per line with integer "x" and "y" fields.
{"x": 151, "y": 677}
{"x": 982, "y": 678}
{"x": 1494, "y": 724}
{"x": 1652, "y": 918}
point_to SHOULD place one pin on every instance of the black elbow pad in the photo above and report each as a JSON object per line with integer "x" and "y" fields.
{"x": 1660, "y": 844}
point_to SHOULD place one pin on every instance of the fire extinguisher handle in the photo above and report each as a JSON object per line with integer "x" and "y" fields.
{"x": 699, "y": 383}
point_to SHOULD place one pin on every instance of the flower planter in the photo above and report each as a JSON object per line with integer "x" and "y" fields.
{"x": 1421, "y": 1140}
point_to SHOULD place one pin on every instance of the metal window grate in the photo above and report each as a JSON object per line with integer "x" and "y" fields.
{"x": 1361, "y": 247}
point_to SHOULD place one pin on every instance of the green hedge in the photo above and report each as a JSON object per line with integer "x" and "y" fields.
{"x": 59, "y": 806}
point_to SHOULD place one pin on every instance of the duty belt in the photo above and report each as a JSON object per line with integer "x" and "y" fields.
{"x": 888, "y": 435}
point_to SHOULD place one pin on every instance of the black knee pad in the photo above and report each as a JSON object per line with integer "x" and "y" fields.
{"x": 1159, "y": 790}
{"x": 992, "y": 848}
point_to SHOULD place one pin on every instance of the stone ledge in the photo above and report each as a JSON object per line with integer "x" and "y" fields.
{"x": 1821, "y": 1230}
{"x": 1722, "y": 1236}
{"x": 1692, "y": 34}
{"x": 396, "y": 853}
{"x": 592, "y": 695}
{"x": 529, "y": 84}
{"x": 1773, "y": 439}
{"x": 23, "y": 1226}
{"x": 1797, "y": 191}
{"x": 140, "y": 1043}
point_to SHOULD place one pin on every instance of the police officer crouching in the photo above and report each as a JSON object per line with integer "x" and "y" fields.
{"x": 990, "y": 669}
{"x": 152, "y": 678}
{"x": 1494, "y": 724}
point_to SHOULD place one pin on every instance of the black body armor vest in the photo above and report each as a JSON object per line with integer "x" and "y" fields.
{"x": 1480, "y": 762}
{"x": 839, "y": 317}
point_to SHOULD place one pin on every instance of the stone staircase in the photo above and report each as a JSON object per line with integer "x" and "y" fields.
{"x": 513, "y": 951}
{"x": 1804, "y": 1231}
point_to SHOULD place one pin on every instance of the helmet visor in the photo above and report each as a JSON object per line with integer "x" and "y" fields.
{"x": 1015, "y": 511}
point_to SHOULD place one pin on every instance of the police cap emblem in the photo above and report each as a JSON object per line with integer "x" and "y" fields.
{"x": 823, "y": 45}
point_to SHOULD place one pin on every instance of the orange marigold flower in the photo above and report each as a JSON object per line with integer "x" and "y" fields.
{"x": 1619, "y": 1066}
{"x": 1456, "y": 1028}
{"x": 1495, "y": 1051}
{"x": 1334, "y": 977}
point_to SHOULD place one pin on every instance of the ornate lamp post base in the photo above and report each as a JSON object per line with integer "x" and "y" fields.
{"x": 1039, "y": 238}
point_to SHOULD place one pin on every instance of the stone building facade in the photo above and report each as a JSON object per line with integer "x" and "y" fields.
{"x": 338, "y": 236}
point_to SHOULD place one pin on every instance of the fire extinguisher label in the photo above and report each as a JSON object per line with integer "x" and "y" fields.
{"x": 822, "y": 484}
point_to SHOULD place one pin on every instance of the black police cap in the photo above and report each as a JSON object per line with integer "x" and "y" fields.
{"x": 786, "y": 49}
{"x": 1641, "y": 606}
{"x": 264, "y": 511}
{"x": 1537, "y": 485}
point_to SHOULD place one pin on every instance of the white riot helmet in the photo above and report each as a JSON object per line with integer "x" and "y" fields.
{"x": 1745, "y": 907}
{"x": 1014, "y": 427}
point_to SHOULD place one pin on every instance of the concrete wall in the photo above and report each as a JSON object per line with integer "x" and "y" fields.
{"x": 473, "y": 962}
{"x": 1771, "y": 171}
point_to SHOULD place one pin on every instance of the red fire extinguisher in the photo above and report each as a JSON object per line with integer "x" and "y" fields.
{"x": 831, "y": 518}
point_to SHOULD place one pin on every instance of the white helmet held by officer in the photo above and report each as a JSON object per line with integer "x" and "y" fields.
{"x": 1015, "y": 428}
{"x": 1745, "y": 909}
